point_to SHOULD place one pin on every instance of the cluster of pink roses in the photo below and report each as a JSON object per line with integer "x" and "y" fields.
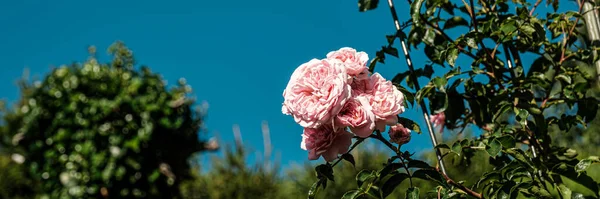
{"x": 329, "y": 96}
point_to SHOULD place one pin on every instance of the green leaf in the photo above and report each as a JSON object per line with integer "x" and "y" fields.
{"x": 352, "y": 194}
{"x": 585, "y": 163}
{"x": 455, "y": 21}
{"x": 457, "y": 147}
{"x": 324, "y": 170}
{"x": 412, "y": 193}
{"x": 564, "y": 191}
{"x": 418, "y": 164}
{"x": 428, "y": 70}
{"x": 507, "y": 141}
{"x": 407, "y": 123}
{"x": 392, "y": 183}
{"x": 363, "y": 176}
{"x": 389, "y": 168}
{"x": 400, "y": 76}
{"x": 451, "y": 56}
{"x": 429, "y": 174}
{"x": 415, "y": 12}
{"x": 493, "y": 147}
{"x": 508, "y": 28}
{"x": 439, "y": 83}
{"x": 528, "y": 30}
{"x": 390, "y": 51}
{"x": 519, "y": 155}
{"x": 365, "y": 5}
{"x": 564, "y": 78}
{"x": 442, "y": 146}
{"x": 472, "y": 43}
{"x": 348, "y": 157}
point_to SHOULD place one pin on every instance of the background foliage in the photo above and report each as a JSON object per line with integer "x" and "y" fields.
{"x": 104, "y": 130}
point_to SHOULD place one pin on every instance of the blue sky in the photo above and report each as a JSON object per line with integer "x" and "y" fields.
{"x": 237, "y": 55}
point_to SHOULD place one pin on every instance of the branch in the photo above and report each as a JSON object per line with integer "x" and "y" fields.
{"x": 461, "y": 187}
{"x": 396, "y": 150}
{"x": 564, "y": 48}
{"x": 417, "y": 87}
{"x": 358, "y": 141}
{"x": 537, "y": 3}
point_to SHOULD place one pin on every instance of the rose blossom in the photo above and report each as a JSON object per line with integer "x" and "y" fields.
{"x": 316, "y": 92}
{"x": 356, "y": 62}
{"x": 357, "y": 114}
{"x": 361, "y": 86}
{"x": 438, "y": 119}
{"x": 325, "y": 141}
{"x": 386, "y": 100}
{"x": 399, "y": 134}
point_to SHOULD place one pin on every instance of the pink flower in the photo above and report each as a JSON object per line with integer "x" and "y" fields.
{"x": 399, "y": 134}
{"x": 438, "y": 119}
{"x": 361, "y": 86}
{"x": 356, "y": 62}
{"x": 357, "y": 114}
{"x": 325, "y": 141}
{"x": 316, "y": 92}
{"x": 386, "y": 100}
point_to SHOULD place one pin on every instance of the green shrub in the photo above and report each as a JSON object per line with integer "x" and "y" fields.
{"x": 96, "y": 130}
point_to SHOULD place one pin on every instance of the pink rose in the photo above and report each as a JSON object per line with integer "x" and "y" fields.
{"x": 356, "y": 62}
{"x": 316, "y": 92}
{"x": 386, "y": 100}
{"x": 325, "y": 141}
{"x": 357, "y": 114}
{"x": 361, "y": 86}
{"x": 438, "y": 119}
{"x": 399, "y": 134}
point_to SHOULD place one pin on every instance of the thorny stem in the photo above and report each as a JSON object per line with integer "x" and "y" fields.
{"x": 462, "y": 50}
{"x": 358, "y": 141}
{"x": 490, "y": 56}
{"x": 564, "y": 48}
{"x": 537, "y": 3}
{"x": 417, "y": 87}
{"x": 378, "y": 136}
{"x": 461, "y": 187}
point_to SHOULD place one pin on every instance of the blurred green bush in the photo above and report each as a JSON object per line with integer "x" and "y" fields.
{"x": 96, "y": 130}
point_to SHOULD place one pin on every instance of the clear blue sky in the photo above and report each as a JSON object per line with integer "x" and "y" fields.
{"x": 237, "y": 55}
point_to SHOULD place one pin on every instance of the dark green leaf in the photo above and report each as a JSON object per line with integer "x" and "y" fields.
{"x": 457, "y": 147}
{"x": 442, "y": 146}
{"x": 418, "y": 164}
{"x": 428, "y": 70}
{"x": 392, "y": 183}
{"x": 364, "y": 176}
{"x": 324, "y": 170}
{"x": 389, "y": 169}
{"x": 365, "y": 5}
{"x": 455, "y": 21}
{"x": 400, "y": 76}
{"x": 348, "y": 157}
{"x": 507, "y": 141}
{"x": 352, "y": 194}
{"x": 407, "y": 123}
{"x": 429, "y": 174}
{"x": 390, "y": 51}
{"x": 493, "y": 147}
